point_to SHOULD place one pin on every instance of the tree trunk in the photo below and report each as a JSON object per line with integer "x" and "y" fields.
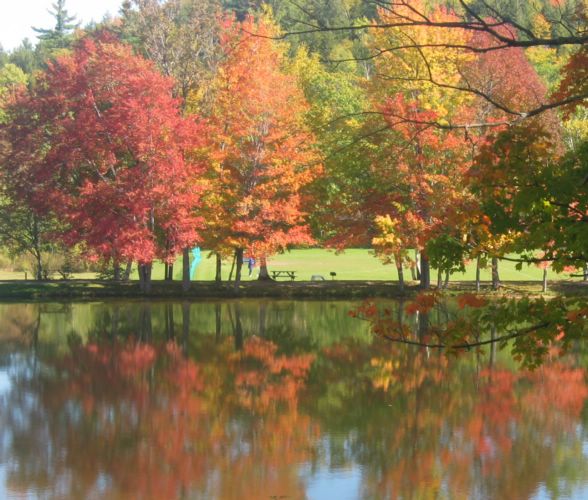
{"x": 239, "y": 265}
{"x": 544, "y": 280}
{"x": 37, "y": 249}
{"x": 186, "y": 269}
{"x": 233, "y": 265}
{"x": 425, "y": 272}
{"x": 219, "y": 264}
{"x": 478, "y": 263}
{"x": 439, "y": 279}
{"x": 165, "y": 271}
{"x": 446, "y": 282}
{"x": 169, "y": 272}
{"x": 128, "y": 269}
{"x": 116, "y": 271}
{"x": 145, "y": 277}
{"x": 148, "y": 269}
{"x": 585, "y": 272}
{"x": 417, "y": 267}
{"x": 400, "y": 275}
{"x": 39, "y": 267}
{"x": 263, "y": 272}
{"x": 141, "y": 277}
{"x": 495, "y": 276}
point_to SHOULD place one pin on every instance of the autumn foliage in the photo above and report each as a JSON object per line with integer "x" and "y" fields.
{"x": 100, "y": 142}
{"x": 407, "y": 141}
{"x": 262, "y": 152}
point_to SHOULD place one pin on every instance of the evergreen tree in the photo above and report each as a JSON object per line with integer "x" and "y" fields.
{"x": 59, "y": 36}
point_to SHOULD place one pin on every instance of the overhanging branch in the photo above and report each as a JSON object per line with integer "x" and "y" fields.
{"x": 470, "y": 345}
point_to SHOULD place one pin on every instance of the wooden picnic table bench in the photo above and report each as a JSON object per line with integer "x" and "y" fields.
{"x": 284, "y": 274}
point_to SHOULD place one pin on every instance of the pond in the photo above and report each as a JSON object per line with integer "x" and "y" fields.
{"x": 274, "y": 399}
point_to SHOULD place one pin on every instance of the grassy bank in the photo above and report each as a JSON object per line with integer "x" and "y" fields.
{"x": 358, "y": 275}
{"x": 98, "y": 290}
{"x": 91, "y": 290}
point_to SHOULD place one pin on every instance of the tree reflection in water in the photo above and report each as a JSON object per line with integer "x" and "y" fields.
{"x": 138, "y": 406}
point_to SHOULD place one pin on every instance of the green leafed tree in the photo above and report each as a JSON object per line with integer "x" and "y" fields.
{"x": 24, "y": 57}
{"x": 3, "y": 56}
{"x": 11, "y": 77}
{"x": 535, "y": 198}
{"x": 22, "y": 232}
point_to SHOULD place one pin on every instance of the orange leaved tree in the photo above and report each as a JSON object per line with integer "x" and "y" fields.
{"x": 261, "y": 150}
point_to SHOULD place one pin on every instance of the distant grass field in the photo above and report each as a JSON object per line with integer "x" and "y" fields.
{"x": 353, "y": 264}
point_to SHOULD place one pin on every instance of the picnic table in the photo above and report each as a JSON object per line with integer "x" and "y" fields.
{"x": 284, "y": 274}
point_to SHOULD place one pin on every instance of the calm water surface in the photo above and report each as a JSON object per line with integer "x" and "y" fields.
{"x": 275, "y": 399}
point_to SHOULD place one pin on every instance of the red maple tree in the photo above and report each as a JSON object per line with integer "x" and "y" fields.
{"x": 100, "y": 142}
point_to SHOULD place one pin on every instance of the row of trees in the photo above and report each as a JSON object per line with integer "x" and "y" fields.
{"x": 177, "y": 124}
{"x": 106, "y": 153}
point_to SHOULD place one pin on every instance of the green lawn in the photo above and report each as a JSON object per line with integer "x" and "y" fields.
{"x": 354, "y": 264}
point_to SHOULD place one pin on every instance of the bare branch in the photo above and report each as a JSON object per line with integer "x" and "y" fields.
{"x": 505, "y": 41}
{"x": 407, "y": 15}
